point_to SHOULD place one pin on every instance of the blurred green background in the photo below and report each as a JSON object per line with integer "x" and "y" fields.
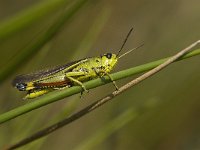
{"x": 161, "y": 113}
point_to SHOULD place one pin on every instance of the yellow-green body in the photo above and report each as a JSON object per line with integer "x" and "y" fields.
{"x": 73, "y": 73}
{"x": 67, "y": 75}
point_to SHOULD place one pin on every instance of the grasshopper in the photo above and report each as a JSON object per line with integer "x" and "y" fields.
{"x": 68, "y": 75}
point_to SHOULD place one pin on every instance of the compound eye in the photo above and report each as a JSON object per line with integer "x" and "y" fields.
{"x": 108, "y": 55}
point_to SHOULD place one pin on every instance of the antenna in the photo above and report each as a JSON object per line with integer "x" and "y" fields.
{"x": 130, "y": 51}
{"x": 129, "y": 33}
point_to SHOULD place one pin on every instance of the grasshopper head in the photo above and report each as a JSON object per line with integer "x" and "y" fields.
{"x": 108, "y": 61}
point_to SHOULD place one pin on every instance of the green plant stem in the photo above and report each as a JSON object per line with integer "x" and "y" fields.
{"x": 60, "y": 94}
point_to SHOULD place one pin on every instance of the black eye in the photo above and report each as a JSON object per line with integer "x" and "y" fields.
{"x": 108, "y": 55}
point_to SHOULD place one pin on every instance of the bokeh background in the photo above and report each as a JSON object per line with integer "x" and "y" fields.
{"x": 161, "y": 113}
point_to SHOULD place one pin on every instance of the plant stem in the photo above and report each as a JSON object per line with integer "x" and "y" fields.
{"x": 60, "y": 94}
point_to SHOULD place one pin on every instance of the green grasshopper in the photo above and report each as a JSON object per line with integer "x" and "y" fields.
{"x": 68, "y": 75}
